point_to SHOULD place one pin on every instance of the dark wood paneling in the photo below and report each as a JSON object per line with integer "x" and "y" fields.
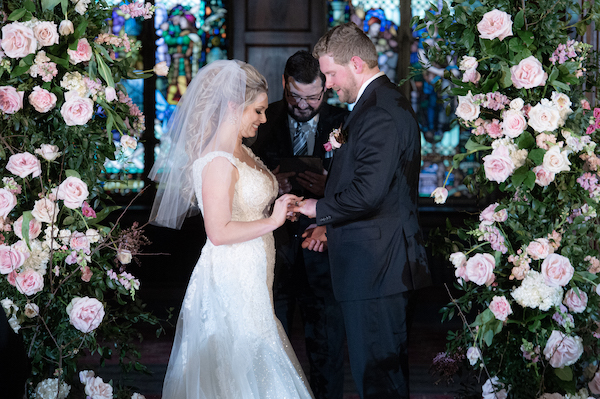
{"x": 277, "y": 15}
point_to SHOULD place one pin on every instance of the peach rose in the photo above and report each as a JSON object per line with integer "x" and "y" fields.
{"x": 35, "y": 228}
{"x": 480, "y": 269}
{"x": 124, "y": 256}
{"x": 45, "y": 210}
{"x": 543, "y": 177}
{"x": 73, "y": 191}
{"x": 7, "y": 202}
{"x": 85, "y": 314}
{"x": 18, "y": 40}
{"x": 544, "y": 117}
{"x": 466, "y": 108}
{"x": 495, "y": 24}
{"x": 11, "y": 100}
{"x": 594, "y": 384}
{"x": 576, "y": 302}
{"x": 42, "y": 100}
{"x": 556, "y": 161}
{"x": 562, "y": 350}
{"x": 528, "y": 73}
{"x": 498, "y": 165}
{"x": 82, "y": 54}
{"x": 98, "y": 389}
{"x": 77, "y": 111}
{"x": 24, "y": 164}
{"x": 48, "y": 151}
{"x": 500, "y": 308}
{"x": 11, "y": 259}
{"x": 29, "y": 282}
{"x": 557, "y": 270}
{"x": 46, "y": 33}
{"x": 513, "y": 123}
{"x": 539, "y": 249}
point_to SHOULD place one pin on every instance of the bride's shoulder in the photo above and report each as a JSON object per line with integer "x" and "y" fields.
{"x": 211, "y": 156}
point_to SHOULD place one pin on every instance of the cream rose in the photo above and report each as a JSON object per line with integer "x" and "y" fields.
{"x": 500, "y": 308}
{"x": 495, "y": 24}
{"x": 24, "y": 164}
{"x": 161, "y": 69}
{"x": 440, "y": 194}
{"x": 513, "y": 123}
{"x": 77, "y": 111}
{"x": 73, "y": 191}
{"x": 562, "y": 350}
{"x": 539, "y": 249}
{"x": 124, "y": 256}
{"x": 467, "y": 109}
{"x": 11, "y": 100}
{"x": 82, "y": 54}
{"x": 42, "y": 100}
{"x": 85, "y": 314}
{"x": 11, "y": 259}
{"x": 18, "y": 40}
{"x": 458, "y": 259}
{"x": 7, "y": 202}
{"x": 544, "y": 117}
{"x": 128, "y": 142}
{"x": 79, "y": 241}
{"x": 29, "y": 282}
{"x": 528, "y": 73}
{"x": 96, "y": 388}
{"x": 517, "y": 104}
{"x": 35, "y": 228}
{"x": 66, "y": 27}
{"x": 46, "y": 33}
{"x": 576, "y": 301}
{"x": 480, "y": 269}
{"x": 543, "y": 177}
{"x": 556, "y": 161}
{"x": 45, "y": 210}
{"x": 557, "y": 270}
{"x": 467, "y": 63}
{"x": 48, "y": 151}
{"x": 31, "y": 310}
{"x": 110, "y": 93}
{"x": 498, "y": 165}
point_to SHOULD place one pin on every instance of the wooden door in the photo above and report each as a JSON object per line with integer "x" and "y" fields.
{"x": 266, "y": 32}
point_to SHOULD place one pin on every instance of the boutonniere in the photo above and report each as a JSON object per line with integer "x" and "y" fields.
{"x": 336, "y": 138}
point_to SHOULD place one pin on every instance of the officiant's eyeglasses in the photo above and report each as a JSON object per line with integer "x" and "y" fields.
{"x": 309, "y": 100}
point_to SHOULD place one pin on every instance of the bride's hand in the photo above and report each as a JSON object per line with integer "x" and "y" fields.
{"x": 282, "y": 208}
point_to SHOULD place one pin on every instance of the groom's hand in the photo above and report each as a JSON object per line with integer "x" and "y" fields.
{"x": 306, "y": 207}
{"x": 315, "y": 238}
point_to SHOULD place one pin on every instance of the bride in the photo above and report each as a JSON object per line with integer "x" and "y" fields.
{"x": 228, "y": 343}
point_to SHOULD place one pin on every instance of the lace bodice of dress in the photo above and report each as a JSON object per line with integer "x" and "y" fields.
{"x": 254, "y": 191}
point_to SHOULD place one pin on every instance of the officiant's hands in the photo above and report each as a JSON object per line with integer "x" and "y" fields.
{"x": 315, "y": 238}
{"x": 283, "y": 179}
{"x": 313, "y": 182}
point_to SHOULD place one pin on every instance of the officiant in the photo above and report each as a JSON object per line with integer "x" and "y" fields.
{"x": 291, "y": 144}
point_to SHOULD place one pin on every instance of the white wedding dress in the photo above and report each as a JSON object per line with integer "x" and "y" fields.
{"x": 228, "y": 343}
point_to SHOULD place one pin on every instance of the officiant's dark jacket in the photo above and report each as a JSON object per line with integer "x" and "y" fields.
{"x": 370, "y": 204}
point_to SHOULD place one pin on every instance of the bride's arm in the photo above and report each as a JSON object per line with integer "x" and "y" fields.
{"x": 218, "y": 184}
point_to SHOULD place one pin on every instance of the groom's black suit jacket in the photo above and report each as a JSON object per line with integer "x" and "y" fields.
{"x": 370, "y": 204}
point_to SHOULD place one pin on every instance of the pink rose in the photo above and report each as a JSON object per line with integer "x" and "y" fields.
{"x": 544, "y": 117}
{"x": 500, "y": 308}
{"x": 513, "y": 123}
{"x": 77, "y": 111}
{"x": 86, "y": 273}
{"x": 110, "y": 93}
{"x": 495, "y": 24}
{"x": 467, "y": 109}
{"x": 498, "y": 166}
{"x": 7, "y": 202}
{"x": 29, "y": 282}
{"x": 528, "y": 73}
{"x": 79, "y": 241}
{"x": 539, "y": 249}
{"x": 42, "y": 100}
{"x": 11, "y": 100}
{"x": 24, "y": 164}
{"x": 46, "y": 33}
{"x": 594, "y": 384}
{"x": 83, "y": 52}
{"x": 85, "y": 314}
{"x": 480, "y": 269}
{"x": 487, "y": 215}
{"x": 557, "y": 270}
{"x": 461, "y": 274}
{"x": 73, "y": 191}
{"x": 556, "y": 161}
{"x": 562, "y": 350}
{"x": 576, "y": 302}
{"x": 45, "y": 210}
{"x": 96, "y": 388}
{"x": 35, "y": 228}
{"x": 11, "y": 259}
{"x": 543, "y": 177}
{"x": 471, "y": 75}
{"x": 18, "y": 40}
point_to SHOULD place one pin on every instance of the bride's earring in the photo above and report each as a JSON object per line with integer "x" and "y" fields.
{"x": 232, "y": 119}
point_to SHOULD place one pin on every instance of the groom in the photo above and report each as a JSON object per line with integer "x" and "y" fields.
{"x": 370, "y": 213}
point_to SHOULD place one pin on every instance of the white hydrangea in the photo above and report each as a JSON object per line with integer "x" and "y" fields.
{"x": 38, "y": 257}
{"x": 517, "y": 156}
{"x": 93, "y": 236}
{"x": 13, "y": 322}
{"x": 534, "y": 293}
{"x": 73, "y": 82}
{"x": 64, "y": 236}
{"x": 48, "y": 389}
{"x": 581, "y": 394}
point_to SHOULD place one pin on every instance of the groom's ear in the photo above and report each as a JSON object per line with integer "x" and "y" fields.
{"x": 357, "y": 65}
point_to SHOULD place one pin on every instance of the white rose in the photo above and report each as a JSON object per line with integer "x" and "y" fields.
{"x": 48, "y": 151}
{"x": 92, "y": 235}
{"x": 467, "y": 109}
{"x": 513, "y": 123}
{"x": 440, "y": 194}
{"x": 517, "y": 104}
{"x": 124, "y": 256}
{"x": 556, "y": 161}
{"x": 45, "y": 210}
{"x": 543, "y": 117}
{"x": 66, "y": 27}
{"x": 161, "y": 69}
{"x": 128, "y": 142}
{"x": 467, "y": 63}
{"x": 31, "y": 310}
{"x": 473, "y": 354}
{"x": 458, "y": 259}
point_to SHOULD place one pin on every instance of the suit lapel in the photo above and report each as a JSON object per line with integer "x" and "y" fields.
{"x": 365, "y": 96}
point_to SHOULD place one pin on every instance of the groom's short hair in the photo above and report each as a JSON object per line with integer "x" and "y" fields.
{"x": 303, "y": 67}
{"x": 344, "y": 42}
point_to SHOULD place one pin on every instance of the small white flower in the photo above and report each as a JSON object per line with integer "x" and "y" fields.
{"x": 440, "y": 194}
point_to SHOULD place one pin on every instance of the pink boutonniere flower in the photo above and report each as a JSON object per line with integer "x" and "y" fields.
{"x": 336, "y": 138}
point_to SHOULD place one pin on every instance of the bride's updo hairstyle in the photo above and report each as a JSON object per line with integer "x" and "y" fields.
{"x": 207, "y": 119}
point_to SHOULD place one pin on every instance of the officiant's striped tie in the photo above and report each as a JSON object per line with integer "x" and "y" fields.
{"x": 300, "y": 147}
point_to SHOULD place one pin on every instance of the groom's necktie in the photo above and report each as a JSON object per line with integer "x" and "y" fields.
{"x": 300, "y": 147}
